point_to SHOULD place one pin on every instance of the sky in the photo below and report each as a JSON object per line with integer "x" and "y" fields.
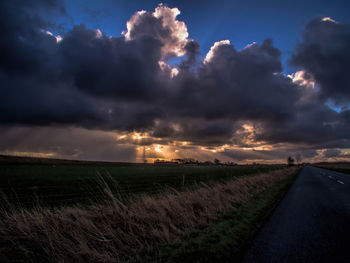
{"x": 242, "y": 81}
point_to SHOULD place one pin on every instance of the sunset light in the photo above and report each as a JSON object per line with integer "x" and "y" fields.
{"x": 177, "y": 131}
{"x": 175, "y": 84}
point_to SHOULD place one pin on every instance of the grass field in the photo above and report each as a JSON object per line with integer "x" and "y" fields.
{"x": 225, "y": 214}
{"x": 223, "y": 239}
{"x": 55, "y": 182}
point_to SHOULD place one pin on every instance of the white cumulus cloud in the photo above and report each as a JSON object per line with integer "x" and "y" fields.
{"x": 214, "y": 48}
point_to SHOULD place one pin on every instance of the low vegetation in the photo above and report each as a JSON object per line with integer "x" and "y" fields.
{"x": 58, "y": 182}
{"x": 223, "y": 239}
{"x": 118, "y": 230}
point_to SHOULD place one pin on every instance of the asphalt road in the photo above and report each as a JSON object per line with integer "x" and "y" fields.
{"x": 311, "y": 224}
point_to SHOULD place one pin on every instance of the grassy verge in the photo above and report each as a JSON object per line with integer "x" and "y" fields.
{"x": 117, "y": 230}
{"x": 224, "y": 239}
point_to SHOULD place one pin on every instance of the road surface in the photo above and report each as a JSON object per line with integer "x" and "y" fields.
{"x": 311, "y": 224}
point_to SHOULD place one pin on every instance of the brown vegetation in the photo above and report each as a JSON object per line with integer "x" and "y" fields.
{"x": 115, "y": 230}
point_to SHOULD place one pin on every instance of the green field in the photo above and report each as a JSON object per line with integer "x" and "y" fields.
{"x": 209, "y": 223}
{"x": 60, "y": 183}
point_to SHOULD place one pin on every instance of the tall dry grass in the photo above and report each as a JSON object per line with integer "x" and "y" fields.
{"x": 115, "y": 230}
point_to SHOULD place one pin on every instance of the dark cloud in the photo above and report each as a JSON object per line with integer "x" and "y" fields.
{"x": 192, "y": 53}
{"x": 331, "y": 153}
{"x": 110, "y": 67}
{"x": 125, "y": 84}
{"x": 92, "y": 80}
{"x": 247, "y": 84}
{"x": 308, "y": 153}
{"x": 197, "y": 131}
{"x": 23, "y": 46}
{"x": 240, "y": 155}
{"x": 324, "y": 52}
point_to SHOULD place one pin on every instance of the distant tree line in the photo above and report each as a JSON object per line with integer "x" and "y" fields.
{"x": 190, "y": 161}
{"x": 194, "y": 162}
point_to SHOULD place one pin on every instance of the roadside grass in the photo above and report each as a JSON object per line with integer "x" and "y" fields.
{"x": 117, "y": 231}
{"x": 224, "y": 239}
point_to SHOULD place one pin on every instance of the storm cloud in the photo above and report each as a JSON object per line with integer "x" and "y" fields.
{"x": 238, "y": 98}
{"x": 324, "y": 52}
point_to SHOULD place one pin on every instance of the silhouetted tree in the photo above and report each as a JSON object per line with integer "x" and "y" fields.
{"x": 290, "y": 161}
{"x": 217, "y": 161}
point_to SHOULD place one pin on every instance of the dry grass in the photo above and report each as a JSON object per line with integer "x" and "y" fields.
{"x": 115, "y": 230}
